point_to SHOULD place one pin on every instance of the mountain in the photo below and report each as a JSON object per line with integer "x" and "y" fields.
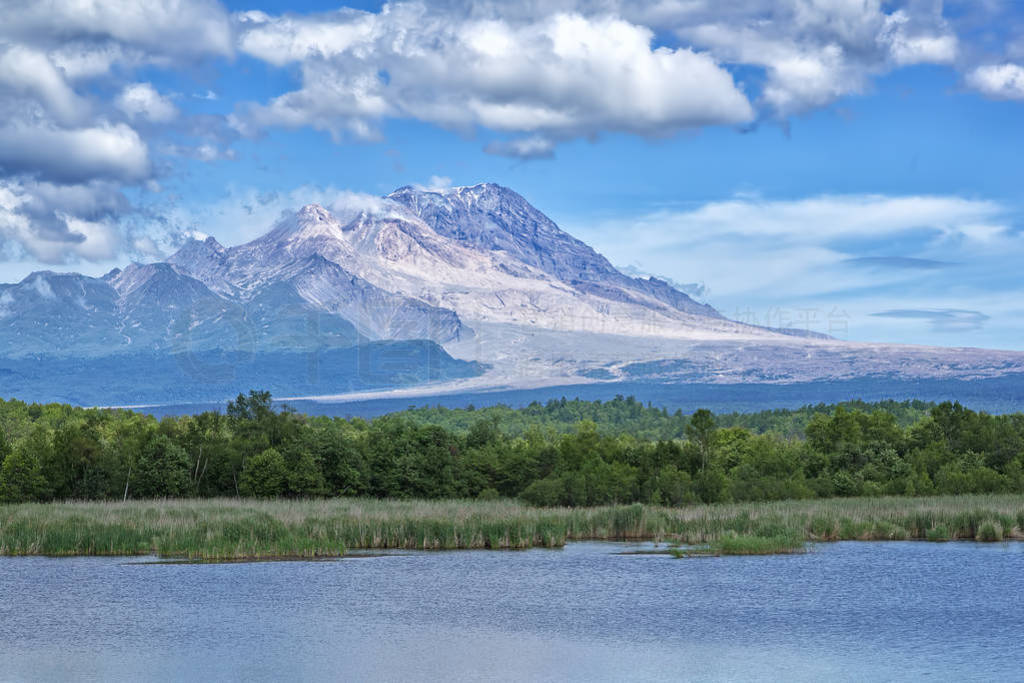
{"x": 154, "y": 307}
{"x": 50, "y": 312}
{"x": 486, "y": 253}
{"x": 309, "y": 252}
{"x": 488, "y": 217}
{"x": 512, "y": 299}
{"x": 433, "y": 264}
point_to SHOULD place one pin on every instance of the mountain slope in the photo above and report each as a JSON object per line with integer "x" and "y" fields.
{"x": 50, "y": 312}
{"x": 310, "y": 251}
{"x": 488, "y": 217}
{"x": 486, "y": 254}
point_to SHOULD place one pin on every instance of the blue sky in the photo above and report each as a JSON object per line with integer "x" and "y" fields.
{"x": 842, "y": 165}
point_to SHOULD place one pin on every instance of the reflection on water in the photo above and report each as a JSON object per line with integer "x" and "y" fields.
{"x": 847, "y": 611}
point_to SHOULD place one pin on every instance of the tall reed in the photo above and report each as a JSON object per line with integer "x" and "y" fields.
{"x": 234, "y": 528}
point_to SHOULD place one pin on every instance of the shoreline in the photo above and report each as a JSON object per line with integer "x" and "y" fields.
{"x": 258, "y": 530}
{"x": 662, "y": 548}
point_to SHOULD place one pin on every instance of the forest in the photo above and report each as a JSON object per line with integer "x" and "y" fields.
{"x": 564, "y": 452}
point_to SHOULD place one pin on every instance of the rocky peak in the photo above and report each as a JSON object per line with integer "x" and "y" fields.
{"x": 314, "y": 213}
{"x": 157, "y": 282}
{"x": 489, "y": 217}
{"x": 197, "y": 250}
{"x": 130, "y": 278}
{"x": 311, "y": 221}
{"x": 212, "y": 244}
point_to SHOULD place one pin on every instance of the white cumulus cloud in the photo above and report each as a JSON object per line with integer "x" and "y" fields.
{"x": 815, "y": 51}
{"x": 75, "y": 129}
{"x": 56, "y": 224}
{"x": 30, "y": 74}
{"x": 167, "y": 27}
{"x": 1000, "y": 81}
{"x": 557, "y": 77}
{"x": 141, "y": 100}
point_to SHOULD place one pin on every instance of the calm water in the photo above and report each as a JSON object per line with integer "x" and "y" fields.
{"x": 848, "y": 611}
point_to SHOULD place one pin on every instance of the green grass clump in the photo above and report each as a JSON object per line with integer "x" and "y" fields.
{"x": 786, "y": 543}
{"x": 778, "y": 544}
{"x": 989, "y": 532}
{"x": 232, "y": 528}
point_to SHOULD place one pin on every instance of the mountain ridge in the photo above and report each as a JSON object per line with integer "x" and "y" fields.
{"x": 416, "y": 267}
{"x": 476, "y": 269}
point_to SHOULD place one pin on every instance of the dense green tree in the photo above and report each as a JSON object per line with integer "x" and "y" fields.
{"x": 264, "y": 475}
{"x": 671, "y": 486}
{"x": 38, "y": 443}
{"x": 305, "y": 478}
{"x": 412, "y": 461}
{"x": 256, "y": 407}
{"x": 563, "y": 452}
{"x": 712, "y": 486}
{"x": 484, "y": 432}
{"x": 75, "y": 466}
{"x": 700, "y": 430}
{"x": 338, "y": 448}
{"x": 162, "y": 470}
{"x": 214, "y": 464}
{"x": 5, "y": 446}
{"x": 547, "y": 492}
{"x": 21, "y": 478}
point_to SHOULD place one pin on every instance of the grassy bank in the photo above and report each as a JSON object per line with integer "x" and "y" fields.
{"x": 218, "y": 529}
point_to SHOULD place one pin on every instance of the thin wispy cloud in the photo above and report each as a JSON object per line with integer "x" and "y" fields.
{"x": 898, "y": 262}
{"x": 747, "y": 243}
{"x": 818, "y": 254}
{"x": 943, "y": 320}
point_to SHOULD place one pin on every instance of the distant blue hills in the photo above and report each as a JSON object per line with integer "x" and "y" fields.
{"x": 146, "y": 378}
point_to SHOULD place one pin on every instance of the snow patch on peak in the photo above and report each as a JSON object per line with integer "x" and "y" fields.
{"x": 479, "y": 187}
{"x": 314, "y": 212}
{"x": 480, "y": 191}
{"x": 312, "y": 220}
{"x": 437, "y": 192}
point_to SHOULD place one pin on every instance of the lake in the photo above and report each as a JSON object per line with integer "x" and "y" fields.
{"x": 845, "y": 611}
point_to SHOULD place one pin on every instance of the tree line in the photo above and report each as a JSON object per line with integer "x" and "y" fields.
{"x": 559, "y": 453}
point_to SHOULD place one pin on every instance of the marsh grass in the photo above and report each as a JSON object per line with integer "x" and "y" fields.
{"x": 779, "y": 544}
{"x": 222, "y": 529}
{"x": 990, "y": 532}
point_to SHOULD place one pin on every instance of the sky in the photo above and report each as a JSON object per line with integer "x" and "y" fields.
{"x": 846, "y": 166}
